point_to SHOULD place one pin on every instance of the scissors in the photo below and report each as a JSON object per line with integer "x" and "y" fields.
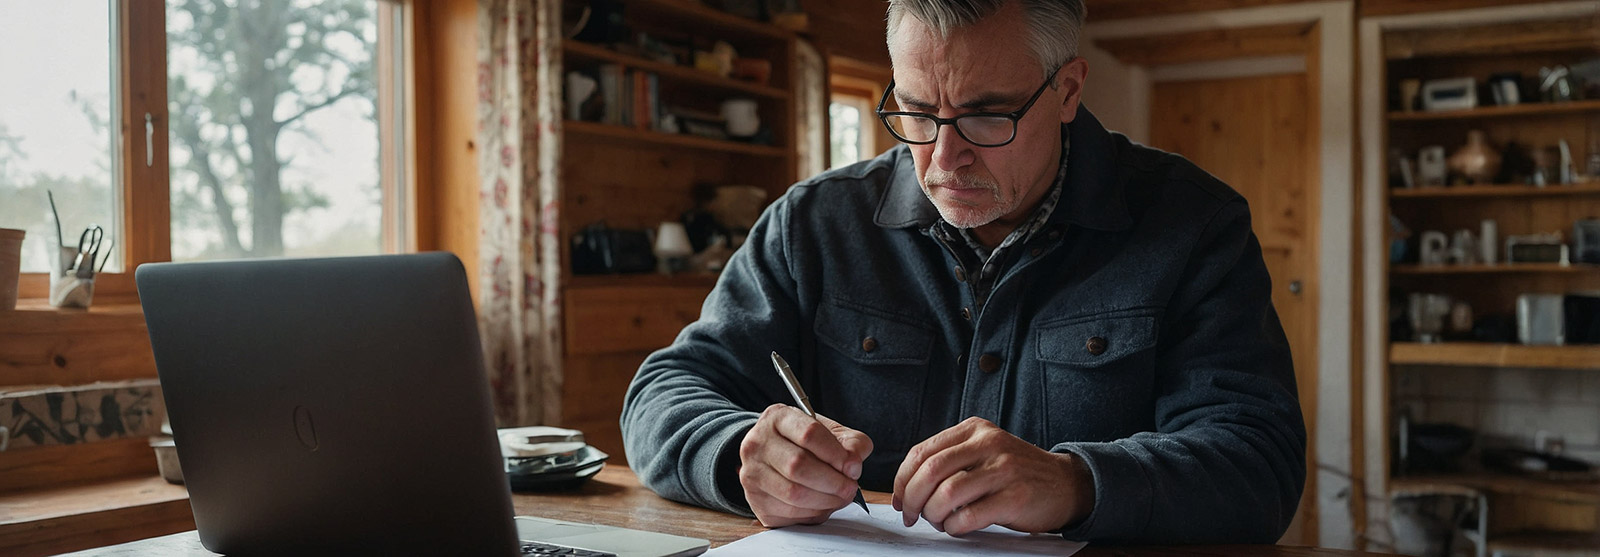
{"x": 89, "y": 249}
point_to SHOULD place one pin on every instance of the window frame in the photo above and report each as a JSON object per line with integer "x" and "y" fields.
{"x": 144, "y": 206}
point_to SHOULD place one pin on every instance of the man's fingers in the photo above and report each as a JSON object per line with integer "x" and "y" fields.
{"x": 765, "y": 480}
{"x": 802, "y": 467}
{"x": 934, "y": 470}
{"x": 983, "y": 513}
{"x": 810, "y": 434}
{"x": 776, "y": 514}
{"x": 914, "y": 458}
{"x": 959, "y": 490}
{"x": 856, "y": 443}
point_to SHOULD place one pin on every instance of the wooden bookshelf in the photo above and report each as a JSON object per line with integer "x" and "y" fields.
{"x": 1526, "y": 109}
{"x": 1588, "y": 188}
{"x": 639, "y": 136}
{"x": 1479, "y": 269}
{"x": 584, "y": 51}
{"x": 635, "y": 177}
{"x": 1482, "y": 354}
{"x": 693, "y": 14}
{"x": 1582, "y": 492}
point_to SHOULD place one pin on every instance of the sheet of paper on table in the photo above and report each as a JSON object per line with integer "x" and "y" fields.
{"x": 853, "y": 532}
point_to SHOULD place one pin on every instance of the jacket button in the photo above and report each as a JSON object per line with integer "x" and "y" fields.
{"x": 869, "y": 344}
{"x": 966, "y": 313}
{"x": 961, "y": 274}
{"x": 1037, "y": 252}
{"x": 989, "y": 363}
{"x": 1096, "y": 346}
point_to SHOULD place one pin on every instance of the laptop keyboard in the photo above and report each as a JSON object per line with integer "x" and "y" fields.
{"x": 541, "y": 548}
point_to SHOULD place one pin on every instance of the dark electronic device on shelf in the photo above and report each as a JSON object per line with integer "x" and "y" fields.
{"x": 1582, "y": 315}
{"x": 598, "y": 250}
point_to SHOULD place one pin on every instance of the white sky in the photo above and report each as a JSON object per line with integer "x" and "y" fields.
{"x": 50, "y": 49}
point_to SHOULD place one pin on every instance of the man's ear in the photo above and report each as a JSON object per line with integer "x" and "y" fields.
{"x": 1071, "y": 79}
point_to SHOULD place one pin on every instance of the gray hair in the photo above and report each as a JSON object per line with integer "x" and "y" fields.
{"x": 1055, "y": 24}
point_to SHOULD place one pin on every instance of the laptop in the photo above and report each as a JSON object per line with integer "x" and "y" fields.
{"x": 341, "y": 406}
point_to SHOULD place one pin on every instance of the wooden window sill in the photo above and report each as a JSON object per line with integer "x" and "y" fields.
{"x": 70, "y": 518}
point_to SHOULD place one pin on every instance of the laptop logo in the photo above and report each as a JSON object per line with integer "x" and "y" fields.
{"x": 304, "y": 428}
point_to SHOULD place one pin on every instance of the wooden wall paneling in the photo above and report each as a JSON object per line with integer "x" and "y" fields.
{"x": 446, "y": 97}
{"x": 31, "y": 468}
{"x": 603, "y": 182}
{"x": 851, "y": 28}
{"x": 1496, "y": 39}
{"x": 1371, "y": 8}
{"x": 1211, "y": 44}
{"x": 1102, "y": 10}
{"x": 66, "y": 347}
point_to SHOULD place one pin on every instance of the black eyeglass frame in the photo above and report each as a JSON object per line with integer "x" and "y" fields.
{"x": 1014, "y": 116}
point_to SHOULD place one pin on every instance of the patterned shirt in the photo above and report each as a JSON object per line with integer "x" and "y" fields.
{"x": 985, "y": 265}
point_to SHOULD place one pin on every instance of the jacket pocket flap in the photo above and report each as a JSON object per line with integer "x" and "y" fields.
{"x": 872, "y": 336}
{"x": 1093, "y": 341}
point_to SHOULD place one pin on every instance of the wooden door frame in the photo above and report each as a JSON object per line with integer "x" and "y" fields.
{"x": 1339, "y": 509}
{"x": 1374, "y": 220}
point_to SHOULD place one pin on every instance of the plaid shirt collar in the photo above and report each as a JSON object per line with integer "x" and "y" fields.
{"x": 1022, "y": 233}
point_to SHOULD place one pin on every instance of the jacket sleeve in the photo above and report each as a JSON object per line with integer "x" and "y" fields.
{"x": 1227, "y": 460}
{"x": 691, "y": 403}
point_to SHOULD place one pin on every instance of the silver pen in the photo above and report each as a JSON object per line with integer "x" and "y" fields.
{"x": 804, "y": 403}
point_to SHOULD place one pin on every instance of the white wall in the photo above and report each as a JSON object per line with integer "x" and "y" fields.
{"x": 1118, "y": 94}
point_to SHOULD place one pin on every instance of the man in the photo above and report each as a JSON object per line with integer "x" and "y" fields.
{"x": 1017, "y": 319}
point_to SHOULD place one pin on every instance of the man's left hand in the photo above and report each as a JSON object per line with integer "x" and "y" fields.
{"x": 975, "y": 474}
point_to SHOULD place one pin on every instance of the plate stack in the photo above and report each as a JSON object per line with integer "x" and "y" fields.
{"x": 542, "y": 458}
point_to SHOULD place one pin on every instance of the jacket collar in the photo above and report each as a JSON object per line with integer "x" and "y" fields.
{"x": 1093, "y": 196}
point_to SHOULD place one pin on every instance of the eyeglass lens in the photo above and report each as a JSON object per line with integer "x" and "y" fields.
{"x": 979, "y": 130}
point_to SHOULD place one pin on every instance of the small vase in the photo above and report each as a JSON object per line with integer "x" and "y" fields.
{"x": 1477, "y": 161}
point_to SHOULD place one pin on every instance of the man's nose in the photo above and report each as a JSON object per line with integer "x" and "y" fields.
{"x": 950, "y": 150}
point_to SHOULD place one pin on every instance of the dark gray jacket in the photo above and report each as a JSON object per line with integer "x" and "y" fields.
{"x": 1136, "y": 330}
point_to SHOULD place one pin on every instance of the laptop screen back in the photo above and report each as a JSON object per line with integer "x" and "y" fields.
{"x": 330, "y": 405}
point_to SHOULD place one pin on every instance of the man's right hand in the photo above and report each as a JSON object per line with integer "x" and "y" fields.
{"x": 798, "y": 470}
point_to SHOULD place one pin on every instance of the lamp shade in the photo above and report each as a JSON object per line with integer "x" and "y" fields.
{"x": 672, "y": 240}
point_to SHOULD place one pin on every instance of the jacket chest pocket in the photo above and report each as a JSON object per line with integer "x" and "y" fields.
{"x": 873, "y": 366}
{"x": 1097, "y": 375}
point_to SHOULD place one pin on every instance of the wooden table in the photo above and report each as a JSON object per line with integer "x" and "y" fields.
{"x": 615, "y": 498}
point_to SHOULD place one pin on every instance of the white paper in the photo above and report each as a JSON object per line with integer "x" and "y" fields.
{"x": 853, "y": 532}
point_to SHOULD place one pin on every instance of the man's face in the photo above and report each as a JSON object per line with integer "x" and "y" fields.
{"x": 986, "y": 67}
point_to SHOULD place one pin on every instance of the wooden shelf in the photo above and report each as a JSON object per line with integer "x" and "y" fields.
{"x": 1577, "y": 268}
{"x": 71, "y": 518}
{"x": 1589, "y": 188}
{"x": 1495, "y": 355}
{"x": 594, "y": 129}
{"x": 640, "y": 280}
{"x": 586, "y": 51}
{"x": 1538, "y": 543}
{"x": 700, "y": 17}
{"x": 1578, "y": 492}
{"x": 1528, "y": 109}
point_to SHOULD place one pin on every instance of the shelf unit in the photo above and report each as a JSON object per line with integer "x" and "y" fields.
{"x": 635, "y": 177}
{"x": 1478, "y": 269}
{"x": 1519, "y": 507}
{"x": 1484, "y": 354}
{"x": 1470, "y": 192}
{"x": 1568, "y": 108}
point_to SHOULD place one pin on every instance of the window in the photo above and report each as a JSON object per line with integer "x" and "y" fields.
{"x": 854, "y": 131}
{"x": 55, "y": 123}
{"x": 849, "y": 138}
{"x": 248, "y": 128}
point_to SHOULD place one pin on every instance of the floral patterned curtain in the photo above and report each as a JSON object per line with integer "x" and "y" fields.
{"x": 519, "y": 139}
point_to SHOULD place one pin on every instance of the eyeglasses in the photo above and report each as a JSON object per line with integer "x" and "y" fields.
{"x": 983, "y": 129}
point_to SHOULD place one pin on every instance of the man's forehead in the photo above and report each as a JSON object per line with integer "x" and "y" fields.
{"x": 970, "y": 63}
